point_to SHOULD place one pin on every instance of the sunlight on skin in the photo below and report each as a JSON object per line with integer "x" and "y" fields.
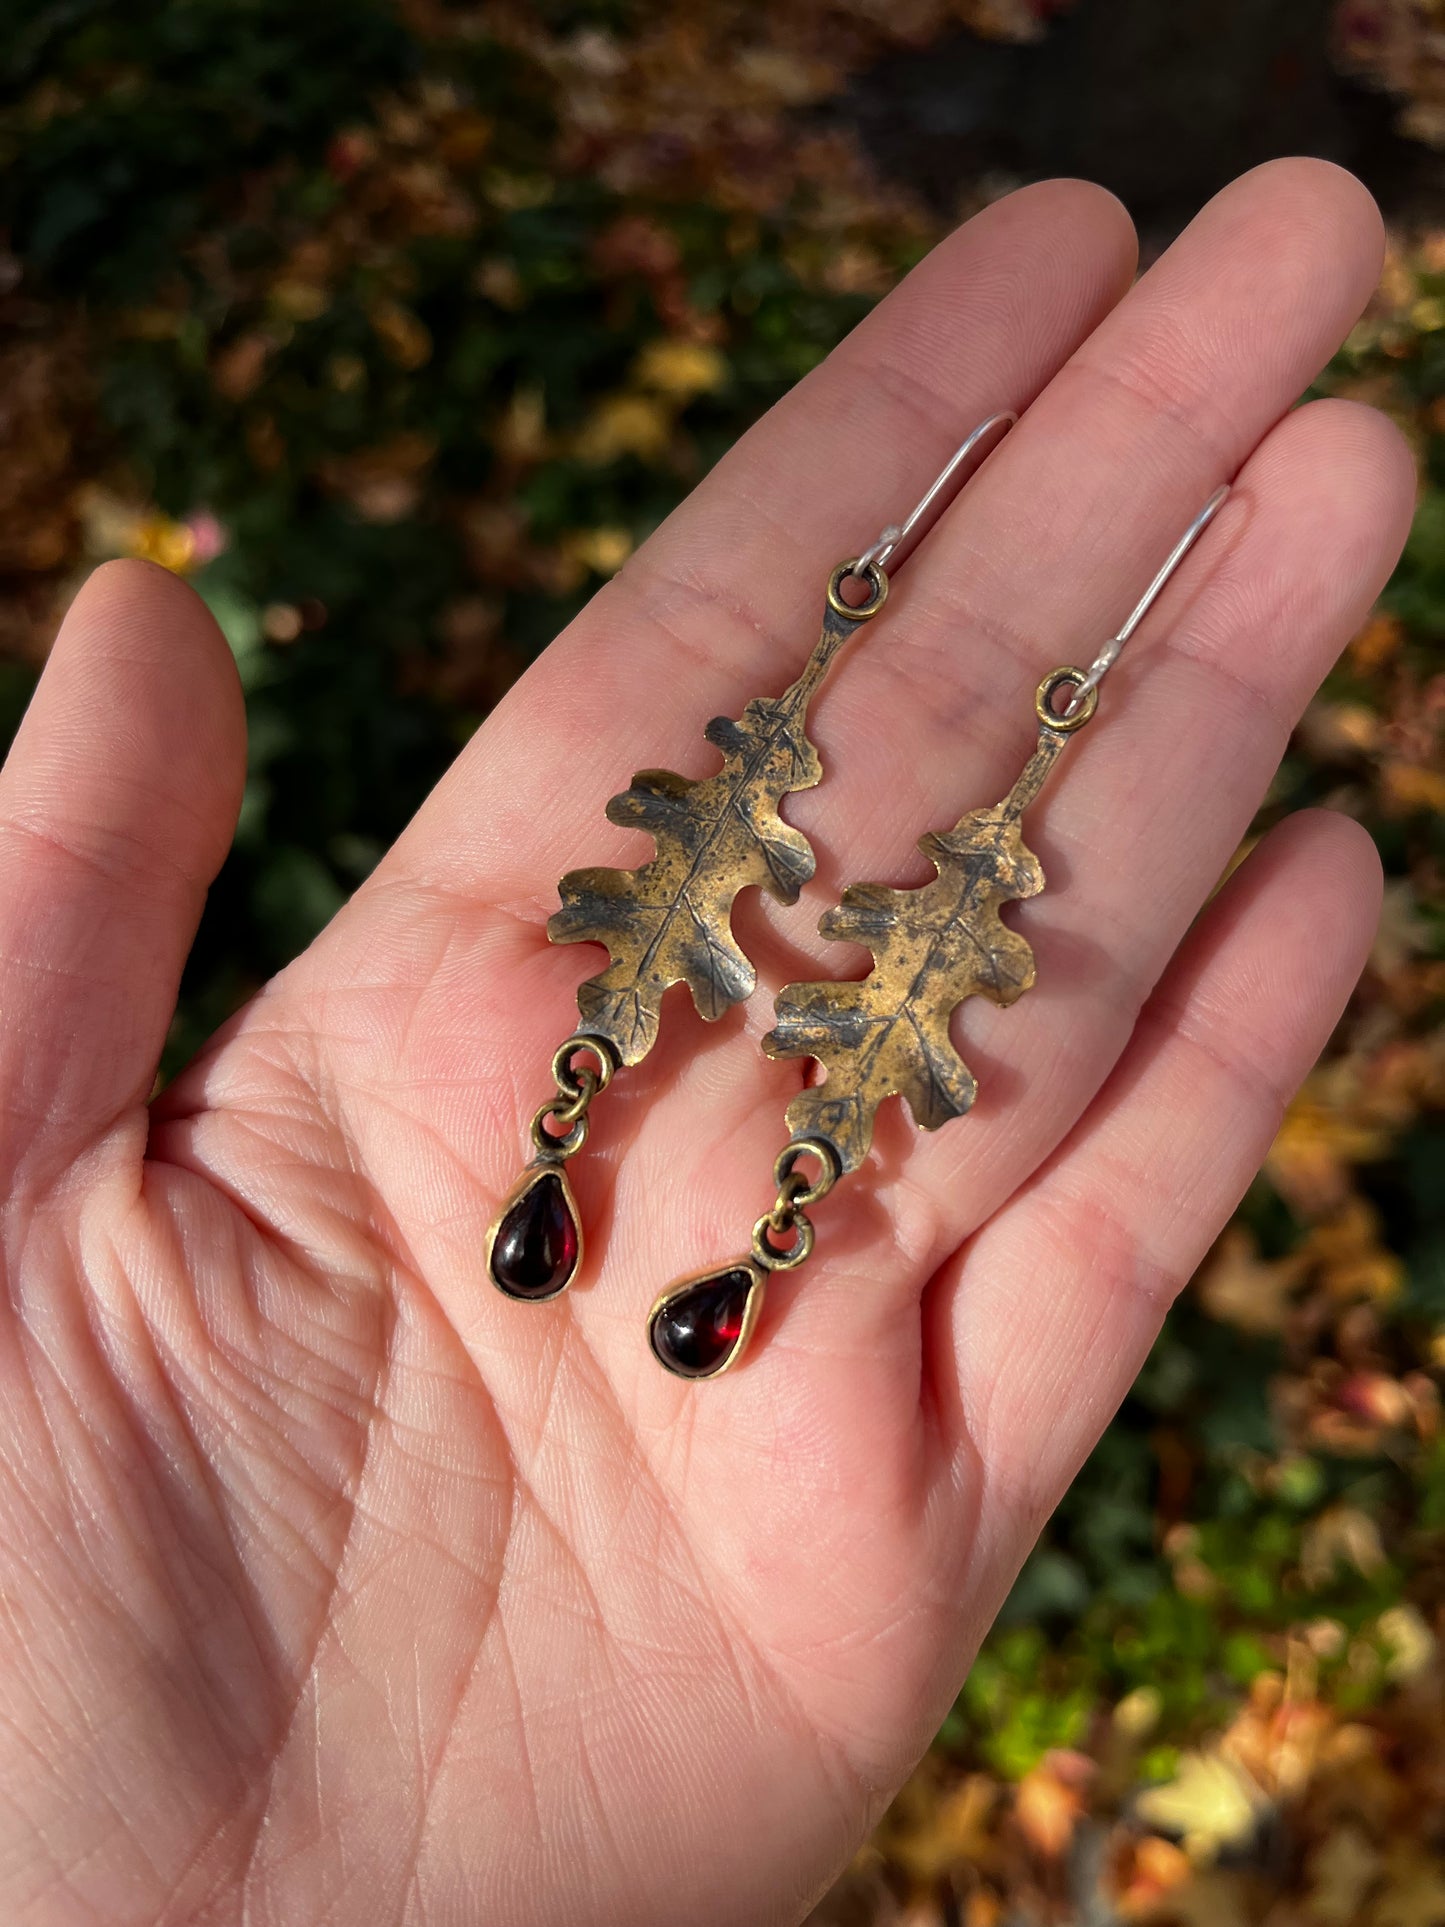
{"x": 338, "y": 1588}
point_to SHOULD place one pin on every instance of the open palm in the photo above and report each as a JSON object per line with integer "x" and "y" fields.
{"x": 335, "y": 1587}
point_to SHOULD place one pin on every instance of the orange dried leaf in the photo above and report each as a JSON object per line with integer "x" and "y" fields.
{"x": 947, "y": 1832}
{"x": 1377, "y": 643}
{"x": 1242, "y": 1289}
{"x": 624, "y": 425}
{"x": 1049, "y": 1802}
{"x": 1411, "y": 788}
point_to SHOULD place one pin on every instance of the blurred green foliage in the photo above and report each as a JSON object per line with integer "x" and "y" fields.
{"x": 183, "y": 173}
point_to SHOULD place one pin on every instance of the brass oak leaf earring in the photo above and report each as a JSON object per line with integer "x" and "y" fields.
{"x": 888, "y": 1034}
{"x": 669, "y": 922}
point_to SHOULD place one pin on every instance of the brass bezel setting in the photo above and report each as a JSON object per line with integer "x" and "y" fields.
{"x": 751, "y": 1313}
{"x": 532, "y": 1173}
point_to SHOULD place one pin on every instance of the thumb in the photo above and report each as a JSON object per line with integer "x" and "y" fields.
{"x": 117, "y": 806}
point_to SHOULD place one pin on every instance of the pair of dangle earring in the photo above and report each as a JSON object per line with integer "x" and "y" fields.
{"x": 669, "y": 921}
{"x": 888, "y": 1034}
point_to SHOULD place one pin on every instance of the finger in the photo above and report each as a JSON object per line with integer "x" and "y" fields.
{"x": 117, "y": 804}
{"x": 1068, "y": 523}
{"x": 1147, "y": 807}
{"x": 726, "y": 598}
{"x": 1154, "y": 797}
{"x": 1311, "y": 238}
{"x": 1037, "y": 1330}
{"x": 1044, "y": 552}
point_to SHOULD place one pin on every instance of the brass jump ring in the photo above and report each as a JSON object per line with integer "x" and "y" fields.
{"x": 793, "y": 1189}
{"x": 568, "y": 1111}
{"x": 868, "y": 572}
{"x": 782, "y": 1217}
{"x": 1048, "y": 688}
{"x": 551, "y": 1146}
{"x": 785, "y": 1169}
{"x": 568, "y": 1080}
{"x": 771, "y": 1259}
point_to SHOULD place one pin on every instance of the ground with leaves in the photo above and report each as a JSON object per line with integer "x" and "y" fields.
{"x": 396, "y": 327}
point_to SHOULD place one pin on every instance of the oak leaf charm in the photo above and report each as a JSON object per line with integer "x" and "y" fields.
{"x": 669, "y": 922}
{"x": 888, "y": 1034}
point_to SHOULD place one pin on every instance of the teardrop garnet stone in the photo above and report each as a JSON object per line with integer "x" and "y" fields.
{"x": 696, "y": 1329}
{"x": 535, "y": 1250}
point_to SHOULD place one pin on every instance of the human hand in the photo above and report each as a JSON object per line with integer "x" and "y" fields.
{"x": 336, "y": 1586}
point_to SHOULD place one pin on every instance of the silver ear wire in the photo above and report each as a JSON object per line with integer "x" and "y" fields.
{"x": 885, "y": 550}
{"x": 1110, "y": 653}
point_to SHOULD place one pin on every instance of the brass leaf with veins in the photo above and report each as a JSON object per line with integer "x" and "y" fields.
{"x": 669, "y": 922}
{"x": 888, "y": 1035}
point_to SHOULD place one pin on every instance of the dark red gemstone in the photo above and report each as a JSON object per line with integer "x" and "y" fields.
{"x": 535, "y": 1250}
{"x": 696, "y": 1331}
